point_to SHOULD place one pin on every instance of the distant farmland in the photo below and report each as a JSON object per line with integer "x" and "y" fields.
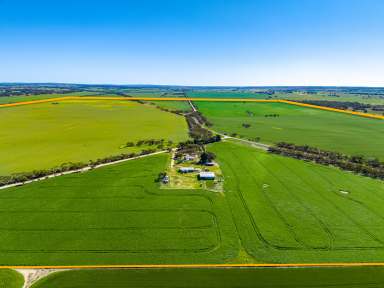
{"x": 45, "y": 135}
{"x": 23, "y": 98}
{"x": 227, "y": 94}
{"x": 275, "y": 122}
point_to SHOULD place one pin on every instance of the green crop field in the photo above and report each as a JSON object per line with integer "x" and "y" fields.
{"x": 41, "y": 136}
{"x": 292, "y": 211}
{"x": 10, "y": 279}
{"x": 114, "y": 215}
{"x": 174, "y": 105}
{"x": 273, "y": 209}
{"x": 304, "y": 126}
{"x": 297, "y": 96}
{"x": 356, "y": 277}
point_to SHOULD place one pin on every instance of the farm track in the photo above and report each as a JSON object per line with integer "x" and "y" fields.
{"x": 366, "y": 115}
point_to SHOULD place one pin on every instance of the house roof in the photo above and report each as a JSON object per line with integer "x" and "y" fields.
{"x": 207, "y": 175}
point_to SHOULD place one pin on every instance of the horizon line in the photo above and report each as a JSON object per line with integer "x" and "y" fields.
{"x": 192, "y": 86}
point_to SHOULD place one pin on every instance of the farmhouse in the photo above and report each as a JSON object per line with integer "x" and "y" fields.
{"x": 186, "y": 169}
{"x": 207, "y": 176}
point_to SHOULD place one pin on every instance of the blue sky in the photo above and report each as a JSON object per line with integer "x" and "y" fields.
{"x": 193, "y": 42}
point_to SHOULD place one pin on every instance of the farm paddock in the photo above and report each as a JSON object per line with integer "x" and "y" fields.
{"x": 113, "y": 215}
{"x": 10, "y": 279}
{"x": 273, "y": 210}
{"x": 290, "y": 211}
{"x": 43, "y": 136}
{"x": 276, "y": 122}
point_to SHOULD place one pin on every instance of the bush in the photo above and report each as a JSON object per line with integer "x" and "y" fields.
{"x": 207, "y": 157}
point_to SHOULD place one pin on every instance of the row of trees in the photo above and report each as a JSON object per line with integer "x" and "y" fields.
{"x": 368, "y": 167}
{"x": 355, "y": 106}
{"x": 18, "y": 91}
{"x": 196, "y": 144}
{"x": 26, "y": 176}
{"x": 160, "y": 143}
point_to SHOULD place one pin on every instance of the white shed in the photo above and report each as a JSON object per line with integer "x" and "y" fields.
{"x": 206, "y": 176}
{"x": 186, "y": 169}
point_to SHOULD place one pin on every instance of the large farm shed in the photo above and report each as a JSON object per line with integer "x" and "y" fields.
{"x": 206, "y": 176}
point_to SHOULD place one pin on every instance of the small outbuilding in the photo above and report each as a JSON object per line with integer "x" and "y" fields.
{"x": 206, "y": 176}
{"x": 186, "y": 169}
{"x": 166, "y": 179}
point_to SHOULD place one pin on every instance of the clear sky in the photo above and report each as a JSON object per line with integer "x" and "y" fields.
{"x": 193, "y": 42}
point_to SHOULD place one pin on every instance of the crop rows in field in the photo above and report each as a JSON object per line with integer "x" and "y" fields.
{"x": 273, "y": 210}
{"x": 116, "y": 211}
{"x": 282, "y": 204}
{"x": 315, "y": 277}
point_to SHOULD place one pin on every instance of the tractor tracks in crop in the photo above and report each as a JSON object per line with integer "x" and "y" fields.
{"x": 355, "y": 222}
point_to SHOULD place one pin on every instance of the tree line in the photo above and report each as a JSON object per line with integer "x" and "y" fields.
{"x": 27, "y": 176}
{"x": 159, "y": 143}
{"x": 370, "y": 167}
{"x": 18, "y": 91}
{"x": 344, "y": 105}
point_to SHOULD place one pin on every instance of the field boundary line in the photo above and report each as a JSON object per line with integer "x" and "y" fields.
{"x": 170, "y": 266}
{"x": 366, "y": 115}
{"x": 47, "y": 100}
